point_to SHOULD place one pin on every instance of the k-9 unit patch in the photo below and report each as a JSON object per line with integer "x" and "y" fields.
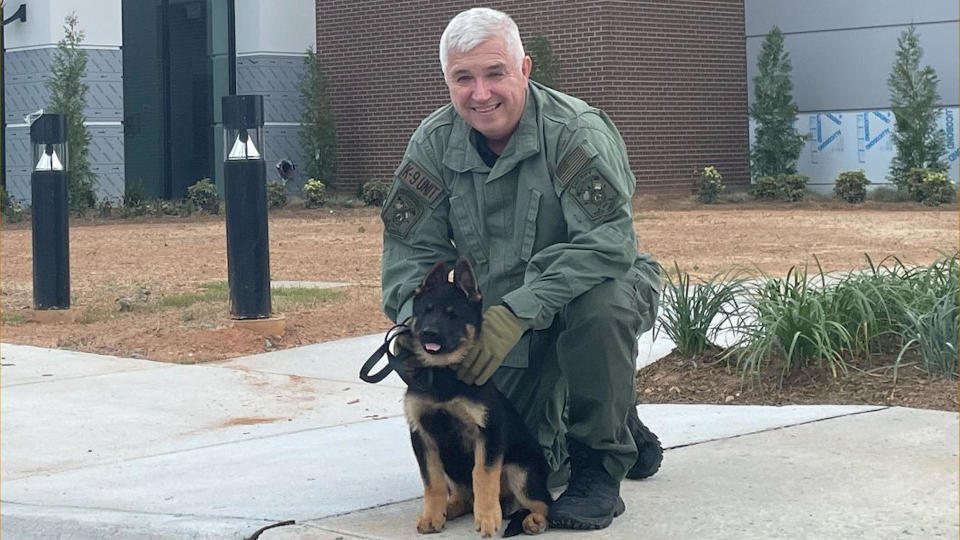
{"x": 594, "y": 194}
{"x": 402, "y": 212}
{"x": 419, "y": 182}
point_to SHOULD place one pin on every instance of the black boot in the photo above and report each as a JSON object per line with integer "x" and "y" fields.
{"x": 648, "y": 448}
{"x": 592, "y": 498}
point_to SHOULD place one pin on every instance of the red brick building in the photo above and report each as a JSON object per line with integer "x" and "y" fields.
{"x": 672, "y": 75}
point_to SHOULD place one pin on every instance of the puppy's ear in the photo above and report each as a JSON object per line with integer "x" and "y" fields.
{"x": 464, "y": 279}
{"x": 436, "y": 277}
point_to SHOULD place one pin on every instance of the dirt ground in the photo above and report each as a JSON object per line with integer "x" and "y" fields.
{"x": 116, "y": 264}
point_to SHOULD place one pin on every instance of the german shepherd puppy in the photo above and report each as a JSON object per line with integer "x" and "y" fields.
{"x": 473, "y": 448}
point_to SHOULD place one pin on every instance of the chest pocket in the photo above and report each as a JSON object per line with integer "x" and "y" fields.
{"x": 530, "y": 226}
{"x": 465, "y": 231}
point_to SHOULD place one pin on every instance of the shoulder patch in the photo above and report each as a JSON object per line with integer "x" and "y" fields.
{"x": 402, "y": 212}
{"x": 572, "y": 164}
{"x": 420, "y": 183}
{"x": 594, "y": 194}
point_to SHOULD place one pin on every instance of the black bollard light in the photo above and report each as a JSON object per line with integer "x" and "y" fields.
{"x": 245, "y": 196}
{"x": 51, "y": 235}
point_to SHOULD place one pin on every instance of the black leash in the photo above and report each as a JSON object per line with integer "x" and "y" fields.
{"x": 420, "y": 380}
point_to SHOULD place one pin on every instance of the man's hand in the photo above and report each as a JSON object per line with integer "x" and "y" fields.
{"x": 501, "y": 330}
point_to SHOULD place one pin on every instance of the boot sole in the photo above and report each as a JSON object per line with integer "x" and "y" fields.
{"x": 584, "y": 523}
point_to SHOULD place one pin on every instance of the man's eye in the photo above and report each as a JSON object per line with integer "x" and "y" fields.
{"x": 464, "y": 78}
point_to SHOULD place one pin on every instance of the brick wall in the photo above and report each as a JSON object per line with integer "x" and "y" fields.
{"x": 672, "y": 75}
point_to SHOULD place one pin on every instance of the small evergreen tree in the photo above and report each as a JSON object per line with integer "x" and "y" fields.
{"x": 68, "y": 96}
{"x": 913, "y": 97}
{"x": 545, "y": 67}
{"x": 777, "y": 144}
{"x": 318, "y": 134}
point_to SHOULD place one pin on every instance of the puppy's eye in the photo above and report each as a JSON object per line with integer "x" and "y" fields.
{"x": 429, "y": 307}
{"x": 449, "y": 312}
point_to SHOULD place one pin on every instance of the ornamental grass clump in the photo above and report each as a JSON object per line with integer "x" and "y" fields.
{"x": 709, "y": 185}
{"x": 791, "y": 323}
{"x": 691, "y": 314}
{"x": 851, "y": 186}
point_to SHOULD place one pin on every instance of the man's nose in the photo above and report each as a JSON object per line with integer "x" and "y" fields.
{"x": 481, "y": 90}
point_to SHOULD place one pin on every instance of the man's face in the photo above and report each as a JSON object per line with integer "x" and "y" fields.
{"x": 488, "y": 89}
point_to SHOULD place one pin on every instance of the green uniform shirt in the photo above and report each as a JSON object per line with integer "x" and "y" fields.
{"x": 551, "y": 219}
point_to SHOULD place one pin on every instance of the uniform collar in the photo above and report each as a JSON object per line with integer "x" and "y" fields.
{"x": 461, "y": 155}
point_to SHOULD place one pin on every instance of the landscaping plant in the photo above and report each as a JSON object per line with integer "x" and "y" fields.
{"x": 545, "y": 67}
{"x": 318, "y": 132}
{"x": 314, "y": 193}
{"x": 709, "y": 185}
{"x": 851, "y": 186}
{"x": 692, "y": 314}
{"x": 374, "y": 192}
{"x": 777, "y": 144}
{"x": 203, "y": 195}
{"x": 68, "y": 96}
{"x": 920, "y": 143}
{"x": 276, "y": 195}
{"x": 929, "y": 187}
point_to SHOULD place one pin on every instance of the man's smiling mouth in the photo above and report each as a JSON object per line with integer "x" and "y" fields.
{"x": 484, "y": 110}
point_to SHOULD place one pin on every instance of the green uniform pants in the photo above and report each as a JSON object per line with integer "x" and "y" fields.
{"x": 580, "y": 382}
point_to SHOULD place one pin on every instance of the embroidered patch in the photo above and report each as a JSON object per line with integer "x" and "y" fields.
{"x": 571, "y": 165}
{"x": 419, "y": 182}
{"x": 594, "y": 194}
{"x": 401, "y": 213}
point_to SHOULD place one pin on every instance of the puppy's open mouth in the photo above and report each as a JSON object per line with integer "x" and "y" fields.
{"x": 432, "y": 348}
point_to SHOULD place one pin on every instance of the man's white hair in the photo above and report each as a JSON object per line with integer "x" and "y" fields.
{"x": 474, "y": 26}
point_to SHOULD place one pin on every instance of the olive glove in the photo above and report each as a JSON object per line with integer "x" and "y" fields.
{"x": 501, "y": 330}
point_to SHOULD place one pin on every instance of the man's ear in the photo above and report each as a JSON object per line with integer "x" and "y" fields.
{"x": 436, "y": 277}
{"x": 526, "y": 66}
{"x": 464, "y": 279}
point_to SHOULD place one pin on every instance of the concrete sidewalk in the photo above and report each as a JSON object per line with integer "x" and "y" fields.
{"x": 103, "y": 447}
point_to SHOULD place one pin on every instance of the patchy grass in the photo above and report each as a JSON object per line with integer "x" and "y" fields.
{"x": 281, "y": 297}
{"x": 11, "y": 318}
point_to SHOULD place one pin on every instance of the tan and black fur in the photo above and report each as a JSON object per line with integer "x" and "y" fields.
{"x": 474, "y": 451}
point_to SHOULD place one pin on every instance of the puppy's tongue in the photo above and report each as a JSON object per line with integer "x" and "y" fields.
{"x": 432, "y": 347}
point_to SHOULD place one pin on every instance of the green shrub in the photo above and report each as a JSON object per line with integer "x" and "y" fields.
{"x": 929, "y": 187}
{"x": 782, "y": 187}
{"x": 888, "y": 194}
{"x": 851, "y": 186}
{"x": 11, "y": 210}
{"x": 709, "y": 185}
{"x": 374, "y": 192}
{"x": 134, "y": 194}
{"x": 276, "y": 195}
{"x": 203, "y": 195}
{"x": 794, "y": 186}
{"x": 766, "y": 188}
{"x": 314, "y": 193}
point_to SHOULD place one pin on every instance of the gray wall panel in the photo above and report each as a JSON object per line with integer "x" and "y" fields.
{"x": 814, "y": 15}
{"x": 17, "y": 162}
{"x": 848, "y": 70}
{"x": 276, "y": 78}
{"x": 26, "y": 74}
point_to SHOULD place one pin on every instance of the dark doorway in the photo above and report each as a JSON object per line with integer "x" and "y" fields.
{"x": 168, "y": 87}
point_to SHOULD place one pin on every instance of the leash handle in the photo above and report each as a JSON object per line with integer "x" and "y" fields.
{"x": 393, "y": 333}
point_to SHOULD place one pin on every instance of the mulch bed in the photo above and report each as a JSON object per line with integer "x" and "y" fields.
{"x": 706, "y": 379}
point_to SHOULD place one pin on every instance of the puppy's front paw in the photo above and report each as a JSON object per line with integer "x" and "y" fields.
{"x": 431, "y": 523}
{"x": 487, "y": 523}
